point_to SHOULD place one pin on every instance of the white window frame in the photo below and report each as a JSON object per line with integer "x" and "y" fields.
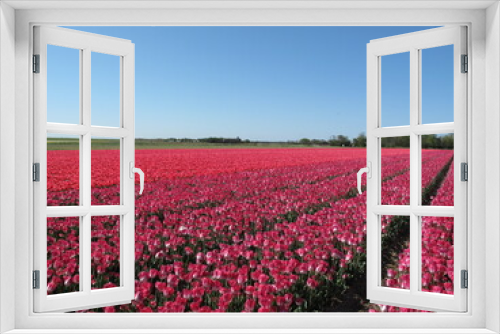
{"x": 86, "y": 44}
{"x": 483, "y": 125}
{"x": 414, "y": 43}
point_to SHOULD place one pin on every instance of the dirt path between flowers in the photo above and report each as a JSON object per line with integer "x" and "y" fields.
{"x": 354, "y": 299}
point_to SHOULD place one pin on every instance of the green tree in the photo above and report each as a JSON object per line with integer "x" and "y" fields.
{"x": 319, "y": 142}
{"x": 360, "y": 140}
{"x": 305, "y": 141}
{"x": 396, "y": 142}
{"x": 447, "y": 141}
{"x": 340, "y": 140}
{"x": 431, "y": 141}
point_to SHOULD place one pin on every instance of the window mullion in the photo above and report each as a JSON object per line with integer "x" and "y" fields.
{"x": 414, "y": 168}
{"x": 86, "y": 179}
{"x": 436, "y": 129}
{"x": 85, "y": 248}
{"x": 80, "y": 211}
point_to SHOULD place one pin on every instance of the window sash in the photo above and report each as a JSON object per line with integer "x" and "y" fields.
{"x": 413, "y": 297}
{"x": 85, "y": 298}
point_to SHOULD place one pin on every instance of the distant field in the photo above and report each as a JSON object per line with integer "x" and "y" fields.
{"x": 112, "y": 144}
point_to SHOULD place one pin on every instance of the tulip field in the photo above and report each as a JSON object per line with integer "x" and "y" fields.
{"x": 250, "y": 229}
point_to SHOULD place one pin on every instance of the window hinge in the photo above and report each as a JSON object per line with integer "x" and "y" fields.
{"x": 36, "y": 172}
{"x": 464, "y": 172}
{"x": 36, "y": 279}
{"x": 465, "y": 64}
{"x": 465, "y": 279}
{"x": 36, "y": 63}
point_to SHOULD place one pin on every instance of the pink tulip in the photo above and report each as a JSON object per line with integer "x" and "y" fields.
{"x": 212, "y": 229}
{"x": 249, "y": 305}
{"x": 312, "y": 283}
{"x": 391, "y": 273}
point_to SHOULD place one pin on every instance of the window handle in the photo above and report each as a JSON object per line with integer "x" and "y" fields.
{"x": 368, "y": 171}
{"x": 133, "y": 170}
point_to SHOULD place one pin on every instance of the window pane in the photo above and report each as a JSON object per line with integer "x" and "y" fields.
{"x": 105, "y": 171}
{"x": 437, "y": 170}
{"x": 63, "y": 255}
{"x": 63, "y": 85}
{"x": 395, "y": 90}
{"x": 105, "y": 90}
{"x": 105, "y": 248}
{"x": 437, "y": 254}
{"x": 63, "y": 170}
{"x": 395, "y": 170}
{"x": 395, "y": 232}
{"x": 437, "y": 84}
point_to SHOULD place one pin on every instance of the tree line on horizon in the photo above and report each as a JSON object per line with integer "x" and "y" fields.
{"x": 428, "y": 141}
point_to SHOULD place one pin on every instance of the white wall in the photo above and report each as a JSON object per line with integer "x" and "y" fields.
{"x": 492, "y": 167}
{"x": 7, "y": 159}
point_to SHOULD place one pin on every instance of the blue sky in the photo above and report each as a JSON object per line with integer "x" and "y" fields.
{"x": 258, "y": 83}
